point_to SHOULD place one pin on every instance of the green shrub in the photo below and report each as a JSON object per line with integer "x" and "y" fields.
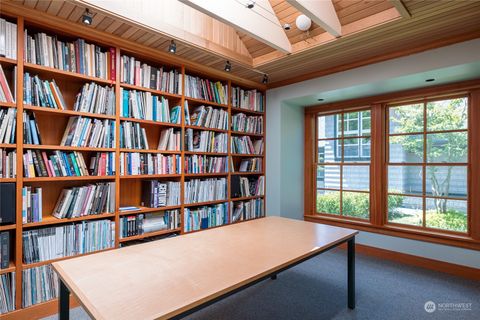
{"x": 451, "y": 220}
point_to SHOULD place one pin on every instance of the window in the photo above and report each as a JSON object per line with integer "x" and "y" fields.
{"x": 343, "y": 164}
{"x": 427, "y": 164}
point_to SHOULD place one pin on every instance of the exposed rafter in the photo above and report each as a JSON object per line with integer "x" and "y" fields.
{"x": 321, "y": 12}
{"x": 260, "y": 22}
{"x": 400, "y": 6}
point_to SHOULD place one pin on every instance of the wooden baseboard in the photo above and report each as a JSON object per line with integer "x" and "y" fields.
{"x": 426, "y": 263}
{"x": 38, "y": 311}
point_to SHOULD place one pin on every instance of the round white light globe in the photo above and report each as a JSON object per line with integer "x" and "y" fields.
{"x": 303, "y": 22}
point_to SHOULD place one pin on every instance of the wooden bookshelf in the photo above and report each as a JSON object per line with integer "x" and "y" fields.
{"x": 52, "y": 124}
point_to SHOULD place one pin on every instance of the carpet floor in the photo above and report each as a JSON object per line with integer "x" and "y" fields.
{"x": 316, "y": 289}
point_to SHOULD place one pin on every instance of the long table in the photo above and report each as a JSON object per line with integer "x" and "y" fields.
{"x": 174, "y": 277}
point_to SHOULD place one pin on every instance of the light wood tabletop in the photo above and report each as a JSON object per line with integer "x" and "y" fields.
{"x": 161, "y": 279}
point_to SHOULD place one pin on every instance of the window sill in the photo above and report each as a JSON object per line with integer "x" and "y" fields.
{"x": 395, "y": 231}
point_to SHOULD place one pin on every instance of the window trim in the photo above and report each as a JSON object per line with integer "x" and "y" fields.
{"x": 378, "y": 214}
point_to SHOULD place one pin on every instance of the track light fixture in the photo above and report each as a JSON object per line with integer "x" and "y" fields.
{"x": 250, "y": 4}
{"x": 265, "y": 79}
{"x": 228, "y": 66}
{"x": 172, "y": 48}
{"x": 87, "y": 17}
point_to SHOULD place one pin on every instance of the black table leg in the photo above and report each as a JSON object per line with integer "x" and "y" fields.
{"x": 351, "y": 273}
{"x": 63, "y": 304}
{"x": 273, "y": 277}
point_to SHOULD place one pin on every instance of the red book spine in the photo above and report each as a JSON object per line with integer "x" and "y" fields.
{"x": 103, "y": 164}
{"x": 45, "y": 159}
{"x": 113, "y": 64}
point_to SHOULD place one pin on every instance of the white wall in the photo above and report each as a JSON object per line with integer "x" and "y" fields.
{"x": 285, "y": 131}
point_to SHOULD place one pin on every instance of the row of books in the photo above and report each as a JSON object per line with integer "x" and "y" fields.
{"x": 145, "y": 106}
{"x": 246, "y": 210}
{"x": 134, "y": 163}
{"x": 7, "y": 292}
{"x": 95, "y": 98}
{"x": 157, "y": 193}
{"x": 8, "y": 164}
{"x": 170, "y": 140}
{"x": 38, "y": 163}
{"x": 149, "y": 222}
{"x": 205, "y": 89}
{"x": 250, "y": 124}
{"x": 31, "y": 133}
{"x": 86, "y": 200}
{"x": 205, "y": 217}
{"x": 247, "y": 99}
{"x": 247, "y": 186}
{"x": 197, "y": 190}
{"x": 8, "y": 39}
{"x": 141, "y": 74}
{"x": 244, "y": 145}
{"x": 5, "y": 249}
{"x": 42, "y": 93}
{"x": 88, "y": 132}
{"x": 207, "y": 117}
{"x": 68, "y": 240}
{"x": 77, "y": 56}
{"x": 251, "y": 165}
{"x": 132, "y": 136}
{"x": 8, "y": 121}
{"x": 39, "y": 284}
{"x": 6, "y": 94}
{"x": 31, "y": 204}
{"x": 205, "y": 164}
{"x": 206, "y": 141}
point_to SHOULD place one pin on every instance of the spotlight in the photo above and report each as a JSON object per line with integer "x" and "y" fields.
{"x": 430, "y": 80}
{"x": 287, "y": 26}
{"x": 87, "y": 17}
{"x": 265, "y": 79}
{"x": 172, "y": 48}
{"x": 320, "y": 99}
{"x": 228, "y": 66}
{"x": 250, "y": 4}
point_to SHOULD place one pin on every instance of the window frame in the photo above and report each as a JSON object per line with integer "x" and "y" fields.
{"x": 378, "y": 222}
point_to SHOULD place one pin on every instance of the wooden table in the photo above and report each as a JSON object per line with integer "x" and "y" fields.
{"x": 174, "y": 277}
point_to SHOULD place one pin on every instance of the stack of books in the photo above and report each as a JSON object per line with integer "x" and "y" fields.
{"x": 8, "y": 39}
{"x": 132, "y": 136}
{"x": 157, "y": 193}
{"x": 31, "y": 204}
{"x": 205, "y": 217}
{"x": 5, "y": 92}
{"x": 31, "y": 133}
{"x": 170, "y": 140}
{"x": 69, "y": 240}
{"x": 247, "y": 99}
{"x": 141, "y": 74}
{"x": 244, "y": 145}
{"x": 205, "y": 89}
{"x": 95, "y": 98}
{"x": 88, "y": 132}
{"x": 249, "y": 124}
{"x": 205, "y": 164}
{"x": 42, "y": 93}
{"x": 39, "y": 284}
{"x": 245, "y": 210}
{"x": 77, "y": 56}
{"x": 8, "y": 164}
{"x": 206, "y": 141}
{"x": 197, "y": 191}
{"x": 251, "y": 165}
{"x": 208, "y": 117}
{"x": 8, "y": 124}
{"x": 148, "y": 223}
{"x": 85, "y": 200}
{"x": 252, "y": 186}
{"x": 7, "y": 292}
{"x": 134, "y": 163}
{"x": 145, "y": 106}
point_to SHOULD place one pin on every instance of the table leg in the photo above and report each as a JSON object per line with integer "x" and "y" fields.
{"x": 63, "y": 303}
{"x": 351, "y": 273}
{"x": 273, "y": 277}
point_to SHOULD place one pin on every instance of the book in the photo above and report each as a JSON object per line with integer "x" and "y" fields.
{"x": 133, "y": 136}
{"x": 39, "y": 284}
{"x": 42, "y": 93}
{"x": 169, "y": 140}
{"x": 8, "y": 39}
{"x": 206, "y": 141}
{"x": 251, "y": 165}
{"x": 7, "y": 203}
{"x": 246, "y": 210}
{"x": 150, "y": 222}
{"x": 205, "y": 89}
{"x": 247, "y": 186}
{"x": 145, "y": 106}
{"x": 205, "y": 164}
{"x": 247, "y": 99}
{"x": 5, "y": 249}
{"x": 7, "y": 292}
{"x": 88, "y": 132}
{"x": 134, "y": 163}
{"x": 32, "y": 204}
{"x": 8, "y": 120}
{"x": 209, "y": 117}
{"x": 94, "y": 98}
{"x": 31, "y": 133}
{"x": 198, "y": 190}
{"x": 244, "y": 145}
{"x": 8, "y": 164}
{"x": 157, "y": 193}
{"x": 5, "y": 91}
{"x": 205, "y": 217}
{"x": 249, "y": 124}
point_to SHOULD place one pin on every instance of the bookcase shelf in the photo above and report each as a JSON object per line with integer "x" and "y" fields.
{"x": 149, "y": 234}
{"x": 42, "y": 263}
{"x": 11, "y": 268}
{"x": 51, "y": 220}
{"x": 52, "y": 124}
{"x": 246, "y": 155}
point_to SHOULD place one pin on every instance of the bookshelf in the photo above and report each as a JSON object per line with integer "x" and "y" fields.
{"x": 52, "y": 123}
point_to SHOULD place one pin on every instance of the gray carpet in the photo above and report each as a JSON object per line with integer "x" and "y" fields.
{"x": 316, "y": 289}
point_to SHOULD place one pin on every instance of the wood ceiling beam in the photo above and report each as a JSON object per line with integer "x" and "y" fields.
{"x": 260, "y": 22}
{"x": 402, "y": 9}
{"x": 321, "y": 12}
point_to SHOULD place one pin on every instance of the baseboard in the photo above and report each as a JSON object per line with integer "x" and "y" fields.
{"x": 417, "y": 261}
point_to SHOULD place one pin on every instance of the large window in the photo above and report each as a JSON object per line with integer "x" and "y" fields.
{"x": 343, "y": 164}
{"x": 427, "y": 164}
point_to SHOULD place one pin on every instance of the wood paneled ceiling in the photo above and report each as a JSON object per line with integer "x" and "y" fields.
{"x": 373, "y": 30}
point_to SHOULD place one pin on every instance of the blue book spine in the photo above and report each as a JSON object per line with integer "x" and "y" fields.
{"x": 33, "y": 130}
{"x": 125, "y": 108}
{"x": 154, "y": 104}
{"x": 65, "y": 163}
{"x": 84, "y": 130}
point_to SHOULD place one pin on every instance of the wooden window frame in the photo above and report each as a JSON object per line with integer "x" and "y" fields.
{"x": 378, "y": 222}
